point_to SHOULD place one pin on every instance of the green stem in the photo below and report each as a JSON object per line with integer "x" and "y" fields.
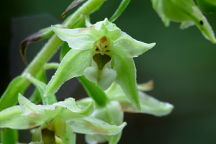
{"x": 9, "y": 136}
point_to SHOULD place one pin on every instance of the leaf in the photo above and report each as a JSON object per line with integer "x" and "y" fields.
{"x": 72, "y": 65}
{"x": 94, "y": 91}
{"x": 87, "y": 125}
{"x": 123, "y": 5}
{"x": 71, "y": 6}
{"x": 131, "y": 46}
{"x": 10, "y": 96}
{"x": 42, "y": 34}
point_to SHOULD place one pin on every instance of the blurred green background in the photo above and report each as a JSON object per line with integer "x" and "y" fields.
{"x": 182, "y": 65}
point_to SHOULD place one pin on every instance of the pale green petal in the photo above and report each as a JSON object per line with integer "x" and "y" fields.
{"x": 126, "y": 76}
{"x": 112, "y": 114}
{"x": 27, "y": 118}
{"x": 71, "y": 110}
{"x": 186, "y": 24}
{"x": 97, "y": 139}
{"x": 29, "y": 115}
{"x": 9, "y": 112}
{"x": 131, "y": 46}
{"x": 115, "y": 92}
{"x": 94, "y": 139}
{"x": 87, "y": 125}
{"x": 104, "y": 78}
{"x": 107, "y": 28}
{"x": 80, "y": 38}
{"x": 149, "y": 105}
{"x": 72, "y": 65}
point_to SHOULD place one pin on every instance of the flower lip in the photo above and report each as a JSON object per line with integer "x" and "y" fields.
{"x": 101, "y": 60}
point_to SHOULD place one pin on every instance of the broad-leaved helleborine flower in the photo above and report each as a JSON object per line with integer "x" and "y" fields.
{"x": 65, "y": 117}
{"x": 103, "y": 54}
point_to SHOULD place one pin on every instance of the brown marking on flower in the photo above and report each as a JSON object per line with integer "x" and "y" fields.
{"x": 103, "y": 39}
{"x": 85, "y": 29}
{"x": 32, "y": 125}
{"x": 48, "y": 136}
{"x": 97, "y": 49}
{"x": 99, "y": 130}
{"x": 33, "y": 115}
{"x": 126, "y": 107}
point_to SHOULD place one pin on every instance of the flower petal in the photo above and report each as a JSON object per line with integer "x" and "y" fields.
{"x": 126, "y": 75}
{"x": 104, "y": 78}
{"x": 148, "y": 104}
{"x": 72, "y": 65}
{"x": 112, "y": 114}
{"x": 28, "y": 115}
{"x": 88, "y": 125}
{"x": 80, "y": 38}
{"x": 131, "y": 46}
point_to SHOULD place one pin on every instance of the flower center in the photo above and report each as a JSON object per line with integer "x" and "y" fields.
{"x": 102, "y": 45}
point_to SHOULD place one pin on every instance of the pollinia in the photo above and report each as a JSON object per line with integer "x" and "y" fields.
{"x": 100, "y": 56}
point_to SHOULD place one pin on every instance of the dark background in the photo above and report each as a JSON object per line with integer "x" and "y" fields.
{"x": 182, "y": 65}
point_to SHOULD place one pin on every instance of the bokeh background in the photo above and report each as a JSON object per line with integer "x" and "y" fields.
{"x": 182, "y": 65}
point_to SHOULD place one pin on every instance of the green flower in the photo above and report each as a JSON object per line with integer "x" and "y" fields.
{"x": 112, "y": 114}
{"x": 57, "y": 122}
{"x": 103, "y": 54}
{"x": 119, "y": 103}
{"x": 149, "y": 105}
{"x": 186, "y": 12}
